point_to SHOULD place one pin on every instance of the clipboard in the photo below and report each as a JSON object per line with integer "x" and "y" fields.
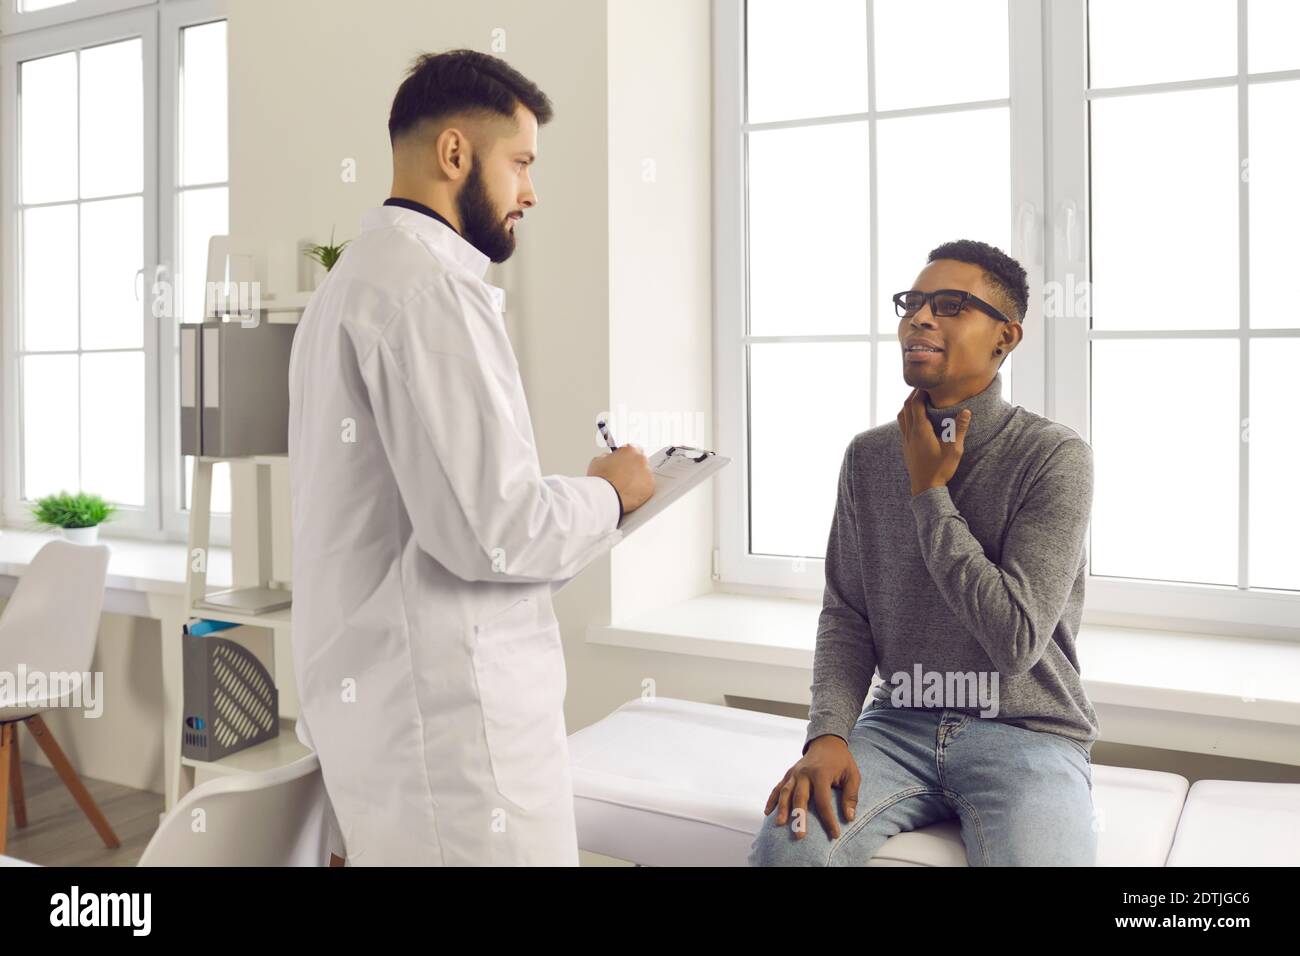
{"x": 676, "y": 469}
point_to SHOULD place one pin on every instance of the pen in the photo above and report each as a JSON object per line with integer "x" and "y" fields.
{"x": 604, "y": 433}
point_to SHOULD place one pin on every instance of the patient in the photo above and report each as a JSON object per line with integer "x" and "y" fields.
{"x": 956, "y": 566}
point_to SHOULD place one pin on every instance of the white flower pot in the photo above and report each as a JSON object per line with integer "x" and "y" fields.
{"x": 82, "y": 535}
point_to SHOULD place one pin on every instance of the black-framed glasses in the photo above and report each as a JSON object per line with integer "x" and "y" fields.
{"x": 945, "y": 302}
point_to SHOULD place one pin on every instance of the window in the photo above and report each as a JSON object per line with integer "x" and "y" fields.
{"x": 1180, "y": 159}
{"x": 1147, "y": 187}
{"x": 93, "y": 200}
{"x": 201, "y": 204}
{"x": 19, "y": 15}
{"x": 836, "y": 178}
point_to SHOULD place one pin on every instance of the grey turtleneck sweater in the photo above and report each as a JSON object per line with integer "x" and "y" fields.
{"x": 983, "y": 575}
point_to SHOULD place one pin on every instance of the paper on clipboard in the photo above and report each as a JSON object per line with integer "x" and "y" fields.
{"x": 675, "y": 474}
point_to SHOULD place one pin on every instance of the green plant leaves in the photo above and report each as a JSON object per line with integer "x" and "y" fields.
{"x": 63, "y": 510}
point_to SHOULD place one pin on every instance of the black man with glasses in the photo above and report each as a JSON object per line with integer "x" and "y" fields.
{"x": 955, "y": 567}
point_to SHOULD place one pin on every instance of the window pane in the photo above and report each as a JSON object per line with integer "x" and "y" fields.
{"x": 49, "y": 291}
{"x": 50, "y": 396}
{"x": 1154, "y": 200}
{"x": 926, "y": 198}
{"x": 112, "y": 251}
{"x": 809, "y": 236}
{"x": 806, "y": 401}
{"x": 1274, "y": 205}
{"x": 220, "y": 485}
{"x": 112, "y": 426}
{"x": 112, "y": 110}
{"x": 1158, "y": 41}
{"x": 806, "y": 59}
{"x": 1274, "y": 464}
{"x": 203, "y": 215}
{"x": 203, "y": 104}
{"x": 930, "y": 52}
{"x": 1165, "y": 478}
{"x": 49, "y": 128}
{"x": 1272, "y": 27}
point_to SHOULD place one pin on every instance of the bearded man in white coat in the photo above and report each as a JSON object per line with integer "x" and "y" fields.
{"x": 426, "y": 540}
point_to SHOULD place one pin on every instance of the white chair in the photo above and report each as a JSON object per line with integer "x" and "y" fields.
{"x": 49, "y": 627}
{"x": 276, "y": 817}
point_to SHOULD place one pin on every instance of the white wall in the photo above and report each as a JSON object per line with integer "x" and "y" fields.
{"x": 608, "y": 295}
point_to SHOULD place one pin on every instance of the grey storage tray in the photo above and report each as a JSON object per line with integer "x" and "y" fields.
{"x": 231, "y": 701}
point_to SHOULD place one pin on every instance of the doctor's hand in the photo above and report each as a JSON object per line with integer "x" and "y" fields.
{"x": 628, "y": 470}
{"x": 930, "y": 462}
{"x": 827, "y": 764}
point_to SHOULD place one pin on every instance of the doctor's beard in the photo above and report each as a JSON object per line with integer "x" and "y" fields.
{"x": 481, "y": 226}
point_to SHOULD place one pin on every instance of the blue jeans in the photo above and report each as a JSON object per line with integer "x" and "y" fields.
{"x": 1024, "y": 797}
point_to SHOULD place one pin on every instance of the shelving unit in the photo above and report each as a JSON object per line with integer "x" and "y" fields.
{"x": 277, "y": 752}
{"x": 285, "y": 748}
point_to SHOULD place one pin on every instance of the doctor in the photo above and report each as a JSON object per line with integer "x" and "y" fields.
{"x": 426, "y": 540}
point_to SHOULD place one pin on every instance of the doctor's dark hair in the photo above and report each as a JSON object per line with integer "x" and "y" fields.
{"x": 443, "y": 84}
{"x": 1004, "y": 274}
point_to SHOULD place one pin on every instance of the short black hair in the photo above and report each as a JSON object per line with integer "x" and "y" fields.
{"x": 1006, "y": 275}
{"x": 443, "y": 84}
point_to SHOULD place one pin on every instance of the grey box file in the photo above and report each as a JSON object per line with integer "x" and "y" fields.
{"x": 231, "y": 701}
{"x": 235, "y": 388}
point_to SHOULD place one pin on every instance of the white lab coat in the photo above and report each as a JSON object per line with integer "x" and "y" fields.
{"x": 426, "y": 544}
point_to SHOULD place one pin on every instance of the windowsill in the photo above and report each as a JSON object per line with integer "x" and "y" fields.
{"x": 1147, "y": 670}
{"x": 135, "y": 566}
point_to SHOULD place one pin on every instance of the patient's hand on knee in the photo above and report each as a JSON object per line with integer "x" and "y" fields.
{"x": 828, "y": 764}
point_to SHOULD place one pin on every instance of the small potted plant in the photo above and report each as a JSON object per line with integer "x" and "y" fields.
{"x": 326, "y": 255}
{"x": 79, "y": 516}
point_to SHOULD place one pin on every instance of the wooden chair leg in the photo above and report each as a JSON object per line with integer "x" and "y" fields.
{"x": 16, "y": 779}
{"x": 70, "y": 779}
{"x": 6, "y": 733}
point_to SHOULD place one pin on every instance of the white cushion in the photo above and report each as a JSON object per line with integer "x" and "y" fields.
{"x": 1137, "y": 814}
{"x": 1234, "y": 823}
{"x": 667, "y": 782}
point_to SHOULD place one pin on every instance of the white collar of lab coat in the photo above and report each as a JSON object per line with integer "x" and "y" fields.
{"x": 443, "y": 238}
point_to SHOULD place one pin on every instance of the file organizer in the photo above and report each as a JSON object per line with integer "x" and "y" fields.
{"x": 235, "y": 388}
{"x": 231, "y": 701}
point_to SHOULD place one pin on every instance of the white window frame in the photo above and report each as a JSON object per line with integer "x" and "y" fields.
{"x": 129, "y": 520}
{"x": 176, "y": 16}
{"x": 736, "y": 569}
{"x": 158, "y": 23}
{"x": 12, "y": 21}
{"x": 1233, "y": 610}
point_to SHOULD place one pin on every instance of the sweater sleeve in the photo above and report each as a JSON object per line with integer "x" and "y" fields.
{"x": 1013, "y": 608}
{"x": 844, "y": 660}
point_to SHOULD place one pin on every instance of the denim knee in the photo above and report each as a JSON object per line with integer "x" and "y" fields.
{"x": 776, "y": 845}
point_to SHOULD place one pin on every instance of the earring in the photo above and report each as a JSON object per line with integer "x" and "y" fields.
{"x": 999, "y": 352}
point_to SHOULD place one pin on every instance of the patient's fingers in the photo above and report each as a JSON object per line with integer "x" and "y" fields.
{"x": 799, "y": 806}
{"x": 787, "y": 788}
{"x": 773, "y": 796}
{"x": 849, "y": 791}
{"x": 825, "y": 806}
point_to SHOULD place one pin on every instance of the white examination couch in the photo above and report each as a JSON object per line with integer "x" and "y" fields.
{"x": 666, "y": 782}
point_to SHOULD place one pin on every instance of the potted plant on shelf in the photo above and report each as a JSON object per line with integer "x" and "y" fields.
{"x": 326, "y": 255}
{"x": 79, "y": 516}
